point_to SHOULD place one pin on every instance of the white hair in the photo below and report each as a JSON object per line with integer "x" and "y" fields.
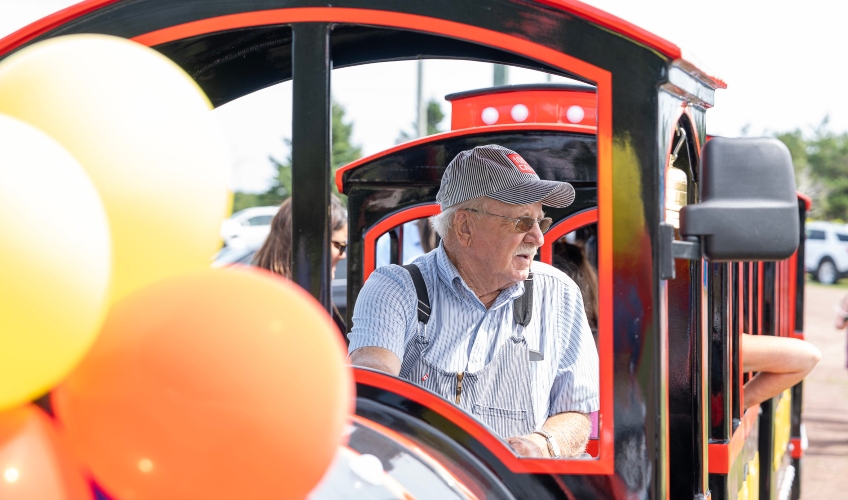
{"x": 442, "y": 223}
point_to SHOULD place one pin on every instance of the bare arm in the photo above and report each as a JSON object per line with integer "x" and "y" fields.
{"x": 377, "y": 358}
{"x": 570, "y": 429}
{"x": 781, "y": 362}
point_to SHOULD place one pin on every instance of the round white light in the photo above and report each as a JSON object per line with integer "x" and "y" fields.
{"x": 519, "y": 112}
{"x": 575, "y": 114}
{"x": 11, "y": 475}
{"x": 490, "y": 116}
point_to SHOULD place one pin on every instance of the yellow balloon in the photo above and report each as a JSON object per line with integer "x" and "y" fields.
{"x": 143, "y": 130}
{"x": 55, "y": 262}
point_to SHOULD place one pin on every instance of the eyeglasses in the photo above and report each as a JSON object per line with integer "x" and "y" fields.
{"x": 341, "y": 246}
{"x": 522, "y": 224}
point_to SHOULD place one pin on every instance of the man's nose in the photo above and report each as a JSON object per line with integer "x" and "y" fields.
{"x": 535, "y": 236}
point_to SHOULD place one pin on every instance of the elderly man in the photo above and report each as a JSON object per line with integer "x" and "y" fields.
{"x": 510, "y": 346}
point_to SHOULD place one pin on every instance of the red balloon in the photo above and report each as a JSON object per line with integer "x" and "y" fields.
{"x": 34, "y": 462}
{"x": 218, "y": 384}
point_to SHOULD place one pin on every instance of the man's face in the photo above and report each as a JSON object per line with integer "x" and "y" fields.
{"x": 503, "y": 251}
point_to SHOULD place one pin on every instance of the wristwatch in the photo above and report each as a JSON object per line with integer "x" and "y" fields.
{"x": 553, "y": 446}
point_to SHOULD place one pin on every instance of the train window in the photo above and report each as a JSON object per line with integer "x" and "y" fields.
{"x": 576, "y": 254}
{"x": 386, "y": 186}
{"x": 404, "y": 243}
{"x": 550, "y": 120}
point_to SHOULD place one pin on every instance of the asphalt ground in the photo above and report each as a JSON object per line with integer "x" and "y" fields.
{"x": 824, "y": 466}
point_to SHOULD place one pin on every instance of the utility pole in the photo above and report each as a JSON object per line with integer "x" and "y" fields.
{"x": 422, "y": 106}
{"x": 501, "y": 76}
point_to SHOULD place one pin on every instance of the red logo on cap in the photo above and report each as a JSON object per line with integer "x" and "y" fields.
{"x": 520, "y": 163}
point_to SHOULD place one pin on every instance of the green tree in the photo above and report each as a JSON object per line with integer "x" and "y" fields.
{"x": 821, "y": 169}
{"x": 279, "y": 186}
{"x": 827, "y": 158}
{"x": 434, "y": 119}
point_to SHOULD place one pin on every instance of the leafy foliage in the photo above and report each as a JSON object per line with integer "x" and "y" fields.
{"x": 821, "y": 169}
{"x": 434, "y": 118}
{"x": 279, "y": 186}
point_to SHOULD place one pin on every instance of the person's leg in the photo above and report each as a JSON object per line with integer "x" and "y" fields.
{"x": 781, "y": 362}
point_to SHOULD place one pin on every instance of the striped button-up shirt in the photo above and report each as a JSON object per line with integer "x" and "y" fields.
{"x": 465, "y": 336}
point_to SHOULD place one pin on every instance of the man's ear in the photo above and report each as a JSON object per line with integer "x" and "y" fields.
{"x": 462, "y": 227}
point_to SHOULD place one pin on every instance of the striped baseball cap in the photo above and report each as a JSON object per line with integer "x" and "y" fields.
{"x": 501, "y": 174}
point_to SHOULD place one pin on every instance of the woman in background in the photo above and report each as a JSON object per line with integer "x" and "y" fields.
{"x": 572, "y": 260}
{"x": 275, "y": 254}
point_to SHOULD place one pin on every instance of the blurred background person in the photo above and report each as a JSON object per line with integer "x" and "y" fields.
{"x": 571, "y": 259}
{"x": 276, "y": 253}
{"x": 842, "y": 320}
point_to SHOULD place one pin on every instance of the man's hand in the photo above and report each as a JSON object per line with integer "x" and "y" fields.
{"x": 525, "y": 446}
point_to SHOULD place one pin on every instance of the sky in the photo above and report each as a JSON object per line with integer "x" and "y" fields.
{"x": 782, "y": 66}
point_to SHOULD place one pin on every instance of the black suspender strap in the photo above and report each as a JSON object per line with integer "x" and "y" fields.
{"x": 421, "y": 290}
{"x": 522, "y": 307}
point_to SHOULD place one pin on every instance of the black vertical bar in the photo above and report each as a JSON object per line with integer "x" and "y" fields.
{"x": 721, "y": 378}
{"x": 700, "y": 382}
{"x": 737, "y": 300}
{"x": 801, "y": 273}
{"x": 747, "y": 299}
{"x": 768, "y": 312}
{"x": 394, "y": 250}
{"x": 798, "y": 390}
{"x": 311, "y": 159}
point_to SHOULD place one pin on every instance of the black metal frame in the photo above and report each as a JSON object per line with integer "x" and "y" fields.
{"x": 311, "y": 159}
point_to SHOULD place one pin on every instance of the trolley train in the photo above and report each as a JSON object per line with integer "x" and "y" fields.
{"x": 695, "y": 241}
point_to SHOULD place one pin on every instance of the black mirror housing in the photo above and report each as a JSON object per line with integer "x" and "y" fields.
{"x": 749, "y": 207}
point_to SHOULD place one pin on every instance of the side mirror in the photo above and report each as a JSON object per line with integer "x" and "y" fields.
{"x": 749, "y": 207}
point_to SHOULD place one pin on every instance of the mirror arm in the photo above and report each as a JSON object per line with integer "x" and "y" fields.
{"x": 669, "y": 249}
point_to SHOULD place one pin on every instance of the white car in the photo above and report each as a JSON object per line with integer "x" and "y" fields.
{"x": 826, "y": 251}
{"x": 248, "y": 228}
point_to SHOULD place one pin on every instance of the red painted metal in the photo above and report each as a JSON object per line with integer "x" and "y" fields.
{"x": 565, "y": 226}
{"x": 45, "y": 24}
{"x": 808, "y": 202}
{"x": 542, "y": 106}
{"x": 724, "y": 455}
{"x": 797, "y": 449}
{"x": 369, "y": 260}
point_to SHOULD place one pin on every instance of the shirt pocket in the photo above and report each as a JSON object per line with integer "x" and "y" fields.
{"x": 499, "y": 413}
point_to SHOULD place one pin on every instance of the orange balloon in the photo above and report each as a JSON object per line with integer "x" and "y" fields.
{"x": 34, "y": 461}
{"x": 217, "y": 384}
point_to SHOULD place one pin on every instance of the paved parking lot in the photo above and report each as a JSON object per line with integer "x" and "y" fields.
{"x": 824, "y": 472}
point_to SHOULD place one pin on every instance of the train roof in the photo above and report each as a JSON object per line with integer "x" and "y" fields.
{"x": 162, "y": 23}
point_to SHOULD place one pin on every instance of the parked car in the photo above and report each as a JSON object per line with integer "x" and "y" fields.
{"x": 248, "y": 228}
{"x": 826, "y": 251}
